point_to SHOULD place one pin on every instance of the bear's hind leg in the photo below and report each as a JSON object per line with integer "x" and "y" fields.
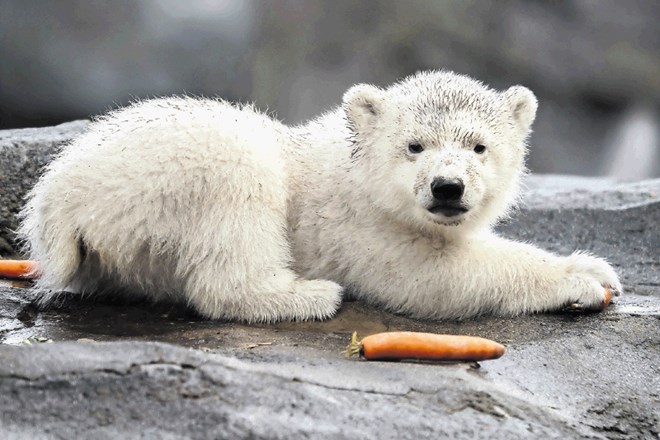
{"x": 280, "y": 296}
{"x": 239, "y": 269}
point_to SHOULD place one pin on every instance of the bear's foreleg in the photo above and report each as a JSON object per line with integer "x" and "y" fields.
{"x": 485, "y": 275}
{"x": 509, "y": 278}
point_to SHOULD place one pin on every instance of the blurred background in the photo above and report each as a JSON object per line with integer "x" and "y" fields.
{"x": 594, "y": 64}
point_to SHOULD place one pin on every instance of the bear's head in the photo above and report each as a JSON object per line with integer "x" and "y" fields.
{"x": 439, "y": 149}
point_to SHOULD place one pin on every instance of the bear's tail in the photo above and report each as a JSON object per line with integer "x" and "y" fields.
{"x": 53, "y": 243}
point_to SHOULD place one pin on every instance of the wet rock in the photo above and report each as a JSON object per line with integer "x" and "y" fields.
{"x": 567, "y": 376}
{"x": 159, "y": 371}
{"x": 127, "y": 389}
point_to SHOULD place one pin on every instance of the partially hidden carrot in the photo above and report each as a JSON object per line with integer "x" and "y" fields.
{"x": 579, "y": 307}
{"x": 23, "y": 269}
{"x": 424, "y": 346}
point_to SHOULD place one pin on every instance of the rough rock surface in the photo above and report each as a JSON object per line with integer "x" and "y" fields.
{"x": 616, "y": 221}
{"x": 158, "y": 371}
{"x": 23, "y": 153}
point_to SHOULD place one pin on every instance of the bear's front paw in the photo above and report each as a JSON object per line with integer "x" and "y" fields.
{"x": 584, "y": 264}
{"x": 590, "y": 283}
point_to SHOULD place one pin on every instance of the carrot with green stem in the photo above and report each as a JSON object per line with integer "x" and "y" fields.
{"x": 23, "y": 269}
{"x": 424, "y": 346}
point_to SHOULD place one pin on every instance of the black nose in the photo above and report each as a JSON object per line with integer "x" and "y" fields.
{"x": 450, "y": 190}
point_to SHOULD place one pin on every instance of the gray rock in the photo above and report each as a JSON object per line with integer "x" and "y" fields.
{"x": 159, "y": 371}
{"x": 568, "y": 376}
{"x": 23, "y": 153}
{"x": 131, "y": 389}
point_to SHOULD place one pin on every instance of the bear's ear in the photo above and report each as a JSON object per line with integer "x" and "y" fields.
{"x": 363, "y": 105}
{"x": 523, "y": 105}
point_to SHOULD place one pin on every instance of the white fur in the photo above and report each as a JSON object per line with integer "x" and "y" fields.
{"x": 247, "y": 219}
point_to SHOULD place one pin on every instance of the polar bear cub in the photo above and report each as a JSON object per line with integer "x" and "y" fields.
{"x": 391, "y": 195}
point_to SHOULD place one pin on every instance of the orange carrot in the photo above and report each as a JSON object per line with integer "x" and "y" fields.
{"x": 25, "y": 269}
{"x": 607, "y": 299}
{"x": 579, "y": 307}
{"x": 424, "y": 346}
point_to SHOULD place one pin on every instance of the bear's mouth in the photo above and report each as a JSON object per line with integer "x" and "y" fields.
{"x": 447, "y": 210}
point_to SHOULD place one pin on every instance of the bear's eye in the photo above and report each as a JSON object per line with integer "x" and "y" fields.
{"x": 479, "y": 149}
{"x": 415, "y": 148}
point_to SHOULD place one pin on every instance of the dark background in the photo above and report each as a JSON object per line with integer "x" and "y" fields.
{"x": 594, "y": 64}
